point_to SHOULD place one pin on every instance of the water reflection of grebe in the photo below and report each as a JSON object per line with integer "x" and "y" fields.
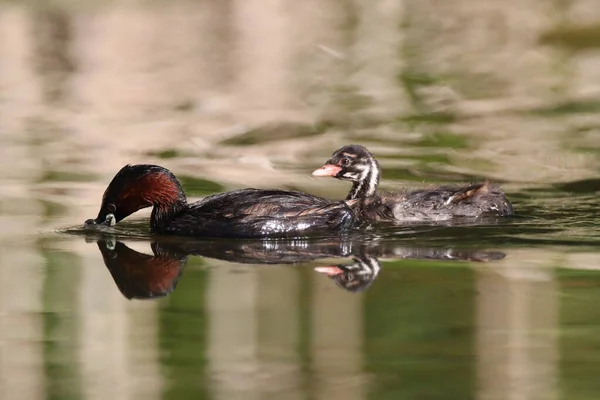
{"x": 143, "y": 276}
{"x": 139, "y": 275}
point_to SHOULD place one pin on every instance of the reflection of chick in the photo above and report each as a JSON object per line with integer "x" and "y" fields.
{"x": 354, "y": 277}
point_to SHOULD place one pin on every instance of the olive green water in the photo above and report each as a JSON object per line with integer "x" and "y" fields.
{"x": 231, "y": 94}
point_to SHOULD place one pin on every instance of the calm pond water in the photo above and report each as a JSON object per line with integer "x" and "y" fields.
{"x": 255, "y": 93}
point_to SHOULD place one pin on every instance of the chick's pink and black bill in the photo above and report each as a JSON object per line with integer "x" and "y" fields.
{"x": 327, "y": 170}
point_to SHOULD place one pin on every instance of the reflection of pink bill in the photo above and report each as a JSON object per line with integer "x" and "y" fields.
{"x": 330, "y": 270}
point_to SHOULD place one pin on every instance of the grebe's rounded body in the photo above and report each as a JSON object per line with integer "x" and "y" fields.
{"x": 240, "y": 213}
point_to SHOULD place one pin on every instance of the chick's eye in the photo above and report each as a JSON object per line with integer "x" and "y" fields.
{"x": 111, "y": 208}
{"x": 344, "y": 162}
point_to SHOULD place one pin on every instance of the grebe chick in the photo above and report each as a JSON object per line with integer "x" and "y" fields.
{"x": 240, "y": 213}
{"x": 356, "y": 164}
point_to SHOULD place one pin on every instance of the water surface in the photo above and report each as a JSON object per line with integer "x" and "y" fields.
{"x": 237, "y": 94}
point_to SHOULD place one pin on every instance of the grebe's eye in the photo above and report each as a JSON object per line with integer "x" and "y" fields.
{"x": 344, "y": 162}
{"x": 111, "y": 208}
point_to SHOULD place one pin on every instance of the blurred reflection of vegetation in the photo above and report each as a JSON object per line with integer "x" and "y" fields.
{"x": 193, "y": 186}
{"x": 305, "y": 327}
{"x": 52, "y": 33}
{"x": 419, "y": 321}
{"x": 579, "y": 339}
{"x": 61, "y": 325}
{"x": 183, "y": 336}
{"x": 573, "y": 37}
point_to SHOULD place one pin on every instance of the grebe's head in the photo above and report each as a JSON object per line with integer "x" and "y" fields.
{"x": 135, "y": 187}
{"x": 356, "y": 164}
